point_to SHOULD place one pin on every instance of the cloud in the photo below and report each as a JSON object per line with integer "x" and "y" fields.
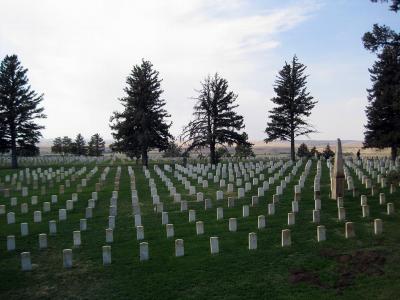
{"x": 80, "y": 52}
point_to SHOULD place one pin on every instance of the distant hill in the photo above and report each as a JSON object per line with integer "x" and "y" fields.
{"x": 349, "y": 146}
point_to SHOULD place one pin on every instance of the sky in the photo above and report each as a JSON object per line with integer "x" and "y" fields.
{"x": 79, "y": 54}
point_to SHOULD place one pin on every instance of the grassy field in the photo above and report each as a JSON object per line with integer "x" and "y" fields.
{"x": 365, "y": 267}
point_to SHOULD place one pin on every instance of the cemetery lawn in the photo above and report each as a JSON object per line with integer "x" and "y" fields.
{"x": 365, "y": 267}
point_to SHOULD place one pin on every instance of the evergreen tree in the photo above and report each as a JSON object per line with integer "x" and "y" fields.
{"x": 328, "y": 153}
{"x": 394, "y": 6}
{"x": 79, "y": 145}
{"x": 142, "y": 125}
{"x": 19, "y": 109}
{"x": 380, "y": 37}
{"x": 215, "y": 121}
{"x": 66, "y": 145}
{"x": 383, "y": 110}
{"x": 57, "y": 145}
{"x": 96, "y": 145}
{"x": 314, "y": 152}
{"x": 303, "y": 151}
{"x": 244, "y": 150}
{"x": 288, "y": 119}
{"x": 28, "y": 149}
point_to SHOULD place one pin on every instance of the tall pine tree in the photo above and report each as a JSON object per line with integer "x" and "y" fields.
{"x": 57, "y": 146}
{"x": 19, "y": 110}
{"x": 215, "y": 121}
{"x": 79, "y": 145}
{"x": 288, "y": 119}
{"x": 383, "y": 110}
{"x": 244, "y": 150}
{"x": 96, "y": 145}
{"x": 67, "y": 145}
{"x": 142, "y": 125}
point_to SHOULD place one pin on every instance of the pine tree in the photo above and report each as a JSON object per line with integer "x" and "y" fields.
{"x": 314, "y": 152}
{"x": 19, "y": 109}
{"x": 142, "y": 125}
{"x": 215, "y": 121}
{"x": 57, "y": 145}
{"x": 244, "y": 150}
{"x": 96, "y": 145}
{"x": 383, "y": 110}
{"x": 328, "y": 153}
{"x": 288, "y": 119}
{"x": 303, "y": 151}
{"x": 66, "y": 145}
{"x": 79, "y": 145}
{"x": 380, "y": 37}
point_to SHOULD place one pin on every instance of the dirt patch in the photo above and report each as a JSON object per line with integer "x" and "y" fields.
{"x": 304, "y": 276}
{"x": 349, "y": 266}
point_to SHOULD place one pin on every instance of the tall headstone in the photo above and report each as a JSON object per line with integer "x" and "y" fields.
{"x": 338, "y": 179}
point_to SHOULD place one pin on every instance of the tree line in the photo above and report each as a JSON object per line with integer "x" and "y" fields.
{"x": 144, "y": 123}
{"x": 65, "y": 145}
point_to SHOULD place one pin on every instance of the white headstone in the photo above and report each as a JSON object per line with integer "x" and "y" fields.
{"x": 42, "y": 241}
{"x": 164, "y": 218}
{"x": 378, "y": 226}
{"x": 199, "y": 227}
{"x": 179, "y": 248}
{"x": 144, "y": 251}
{"x": 261, "y": 222}
{"x": 252, "y": 241}
{"x": 67, "y": 258}
{"x": 10, "y": 218}
{"x": 286, "y": 238}
{"x": 291, "y": 219}
{"x": 245, "y": 211}
{"x": 192, "y": 215}
{"x": 139, "y": 233}
{"x": 170, "y": 230}
{"x": 82, "y": 224}
{"x": 214, "y": 245}
{"x": 10, "y": 243}
{"x": 37, "y": 216}
{"x": 321, "y": 233}
{"x": 220, "y": 213}
{"x": 232, "y": 224}
{"x": 109, "y": 235}
{"x": 111, "y": 222}
{"x": 26, "y": 264}
{"x": 52, "y": 227}
{"x": 106, "y": 255}
{"x": 24, "y": 229}
{"x": 77, "y": 238}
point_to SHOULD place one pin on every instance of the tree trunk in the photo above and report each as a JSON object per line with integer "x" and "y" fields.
{"x": 212, "y": 154}
{"x": 394, "y": 152}
{"x": 145, "y": 158}
{"x": 292, "y": 152}
{"x": 14, "y": 160}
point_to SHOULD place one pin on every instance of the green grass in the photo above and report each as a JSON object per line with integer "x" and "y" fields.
{"x": 235, "y": 273}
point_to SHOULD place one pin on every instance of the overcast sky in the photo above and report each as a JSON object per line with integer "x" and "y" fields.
{"x": 79, "y": 53}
